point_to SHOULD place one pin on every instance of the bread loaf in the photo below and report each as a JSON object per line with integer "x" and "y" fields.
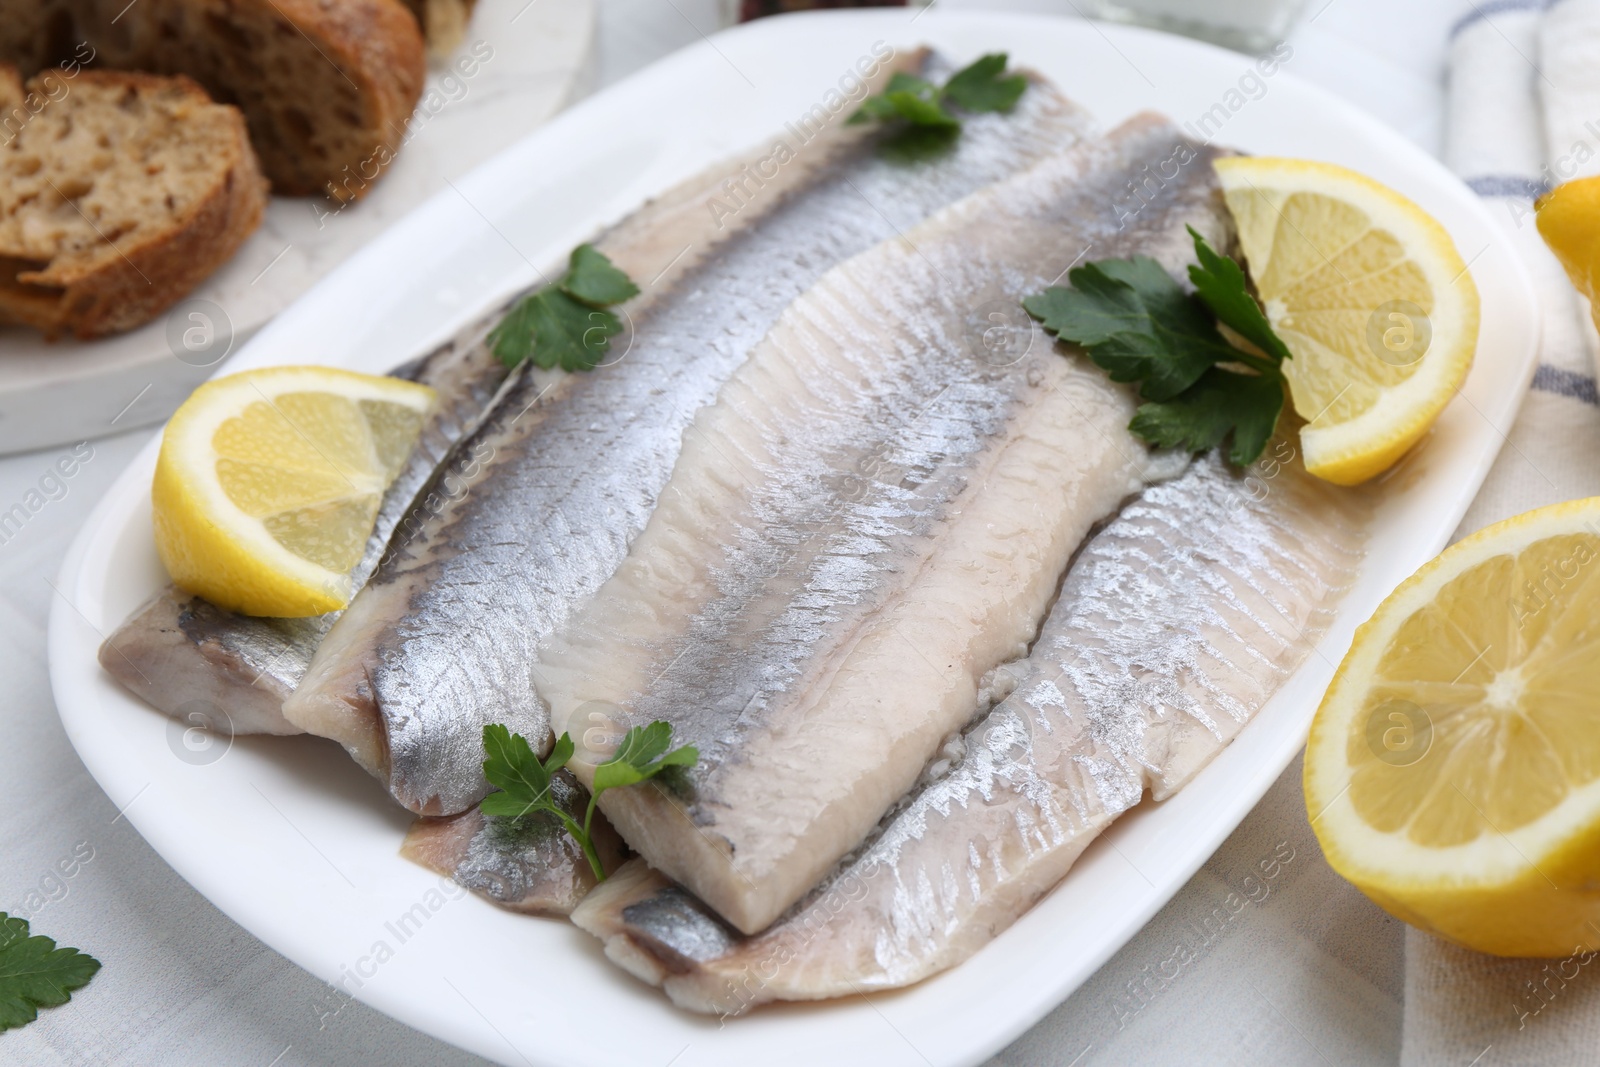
{"x": 35, "y": 35}
{"x": 327, "y": 86}
{"x": 119, "y": 193}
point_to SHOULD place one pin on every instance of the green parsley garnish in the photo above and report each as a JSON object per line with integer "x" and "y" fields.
{"x": 908, "y": 97}
{"x": 983, "y": 86}
{"x": 566, "y": 325}
{"x": 35, "y": 974}
{"x": 524, "y": 779}
{"x": 1138, "y": 324}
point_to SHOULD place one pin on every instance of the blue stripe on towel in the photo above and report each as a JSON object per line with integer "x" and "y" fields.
{"x": 1508, "y": 185}
{"x": 1482, "y": 11}
{"x": 1548, "y": 379}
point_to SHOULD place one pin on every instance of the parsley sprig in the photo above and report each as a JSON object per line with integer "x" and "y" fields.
{"x": 524, "y": 779}
{"x": 566, "y": 324}
{"x": 1139, "y": 325}
{"x": 982, "y": 86}
{"x": 35, "y": 974}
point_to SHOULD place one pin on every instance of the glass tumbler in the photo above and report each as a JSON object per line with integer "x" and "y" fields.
{"x": 1252, "y": 26}
{"x": 745, "y": 10}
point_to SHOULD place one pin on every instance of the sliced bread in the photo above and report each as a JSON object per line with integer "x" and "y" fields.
{"x": 118, "y": 194}
{"x": 327, "y": 86}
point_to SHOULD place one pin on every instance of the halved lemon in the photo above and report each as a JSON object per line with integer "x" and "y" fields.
{"x": 1569, "y": 221}
{"x": 268, "y": 483}
{"x": 1371, "y": 297}
{"x": 1453, "y": 769}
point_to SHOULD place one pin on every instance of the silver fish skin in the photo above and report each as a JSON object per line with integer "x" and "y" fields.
{"x": 1174, "y": 626}
{"x": 445, "y": 638}
{"x": 874, "y": 514}
{"x": 529, "y": 865}
{"x": 230, "y": 672}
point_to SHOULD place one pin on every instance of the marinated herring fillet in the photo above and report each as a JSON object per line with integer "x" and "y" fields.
{"x": 230, "y": 672}
{"x": 529, "y": 865}
{"x": 206, "y": 665}
{"x": 443, "y": 639}
{"x": 874, "y": 514}
{"x": 1175, "y": 625}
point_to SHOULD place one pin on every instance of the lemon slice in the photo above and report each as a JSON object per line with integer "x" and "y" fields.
{"x": 1371, "y": 297}
{"x": 268, "y": 483}
{"x": 1453, "y": 770}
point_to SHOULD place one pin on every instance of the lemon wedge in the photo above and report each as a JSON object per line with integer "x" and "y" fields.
{"x": 1371, "y": 297}
{"x": 269, "y": 482}
{"x": 1569, "y": 221}
{"x": 1453, "y": 769}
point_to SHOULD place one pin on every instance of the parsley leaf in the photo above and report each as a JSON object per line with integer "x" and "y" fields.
{"x": 908, "y": 97}
{"x": 642, "y": 755}
{"x": 1220, "y": 282}
{"x": 566, "y": 325}
{"x": 524, "y": 779}
{"x": 1135, "y": 322}
{"x": 921, "y": 110}
{"x": 35, "y": 974}
{"x": 980, "y": 87}
{"x": 555, "y": 331}
{"x": 1247, "y": 405}
{"x": 592, "y": 279}
{"x": 922, "y": 105}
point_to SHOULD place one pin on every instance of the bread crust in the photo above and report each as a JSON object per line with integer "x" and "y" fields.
{"x": 379, "y": 46}
{"x": 376, "y": 47}
{"x": 35, "y": 34}
{"x": 154, "y": 270}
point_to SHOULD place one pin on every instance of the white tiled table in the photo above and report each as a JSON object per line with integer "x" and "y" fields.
{"x": 1309, "y": 972}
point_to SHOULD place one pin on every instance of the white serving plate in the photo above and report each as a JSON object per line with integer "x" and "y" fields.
{"x": 519, "y": 64}
{"x": 293, "y": 842}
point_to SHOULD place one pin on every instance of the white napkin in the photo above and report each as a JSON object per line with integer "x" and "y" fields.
{"x": 1524, "y": 94}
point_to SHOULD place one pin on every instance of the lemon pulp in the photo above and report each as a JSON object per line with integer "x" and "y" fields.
{"x": 1453, "y": 770}
{"x": 268, "y": 484}
{"x": 1371, "y": 297}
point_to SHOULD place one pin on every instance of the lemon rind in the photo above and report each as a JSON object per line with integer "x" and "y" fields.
{"x": 1353, "y": 451}
{"x": 230, "y": 530}
{"x": 1389, "y": 860}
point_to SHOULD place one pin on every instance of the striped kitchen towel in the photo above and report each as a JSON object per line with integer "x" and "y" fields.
{"x": 1523, "y": 115}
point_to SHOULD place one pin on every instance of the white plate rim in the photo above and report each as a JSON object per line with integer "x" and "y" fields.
{"x": 953, "y": 1019}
